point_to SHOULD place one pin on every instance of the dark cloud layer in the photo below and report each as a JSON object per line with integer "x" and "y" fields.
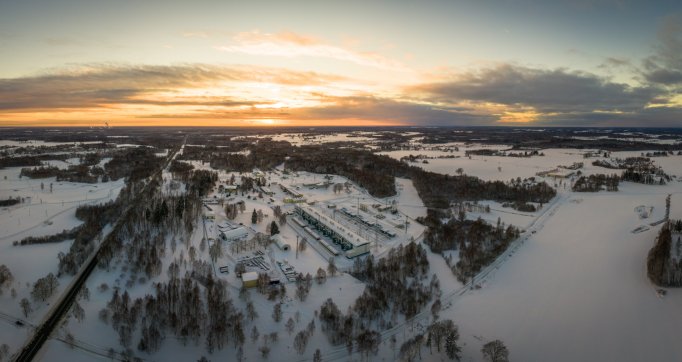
{"x": 665, "y": 66}
{"x": 547, "y": 91}
{"x": 98, "y": 85}
{"x": 397, "y": 111}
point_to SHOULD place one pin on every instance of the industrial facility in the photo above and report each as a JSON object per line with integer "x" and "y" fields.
{"x": 351, "y": 243}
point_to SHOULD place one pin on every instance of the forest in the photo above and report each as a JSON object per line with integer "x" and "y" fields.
{"x": 644, "y": 176}
{"x": 595, "y": 183}
{"x": 394, "y": 287}
{"x": 262, "y": 154}
{"x": 503, "y": 153}
{"x": 477, "y": 242}
{"x": 377, "y": 174}
{"x": 135, "y": 163}
{"x": 22, "y": 161}
{"x": 10, "y": 201}
{"x": 94, "y": 218}
{"x": 74, "y": 173}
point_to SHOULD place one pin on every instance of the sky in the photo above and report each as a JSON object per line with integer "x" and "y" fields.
{"x": 341, "y": 63}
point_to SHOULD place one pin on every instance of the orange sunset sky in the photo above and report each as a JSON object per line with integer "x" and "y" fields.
{"x": 350, "y": 63}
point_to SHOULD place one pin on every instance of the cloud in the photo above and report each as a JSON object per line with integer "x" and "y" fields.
{"x": 615, "y": 62}
{"x": 102, "y": 84}
{"x": 545, "y": 90}
{"x": 281, "y": 37}
{"x": 288, "y": 44}
{"x": 393, "y": 111}
{"x": 648, "y": 117}
{"x": 664, "y": 76}
{"x": 665, "y": 66}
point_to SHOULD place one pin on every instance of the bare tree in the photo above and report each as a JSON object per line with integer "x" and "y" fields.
{"x": 78, "y": 312}
{"x": 290, "y": 325}
{"x": 264, "y": 351}
{"x": 331, "y": 267}
{"x": 4, "y": 349}
{"x": 495, "y": 351}
{"x": 321, "y": 276}
{"x": 25, "y": 307}
{"x": 251, "y": 311}
{"x": 368, "y": 342}
{"x": 277, "y": 312}
{"x": 301, "y": 341}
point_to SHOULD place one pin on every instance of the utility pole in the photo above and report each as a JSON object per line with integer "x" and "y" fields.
{"x": 296, "y": 246}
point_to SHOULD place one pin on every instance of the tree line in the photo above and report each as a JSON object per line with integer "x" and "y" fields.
{"x": 595, "y": 183}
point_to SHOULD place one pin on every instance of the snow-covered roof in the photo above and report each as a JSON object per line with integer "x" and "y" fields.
{"x": 235, "y": 233}
{"x": 279, "y": 240}
{"x": 350, "y": 236}
{"x": 249, "y": 276}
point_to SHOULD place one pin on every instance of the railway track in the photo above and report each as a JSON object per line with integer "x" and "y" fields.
{"x": 55, "y": 315}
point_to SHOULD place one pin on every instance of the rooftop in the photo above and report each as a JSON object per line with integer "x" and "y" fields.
{"x": 350, "y": 236}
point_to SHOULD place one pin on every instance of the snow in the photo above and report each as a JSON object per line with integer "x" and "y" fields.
{"x": 488, "y": 167}
{"x": 573, "y": 288}
{"x": 45, "y": 213}
{"x": 631, "y": 139}
{"x": 408, "y": 199}
{"x": 506, "y": 215}
{"x": 62, "y": 164}
{"x": 577, "y": 290}
{"x": 41, "y": 143}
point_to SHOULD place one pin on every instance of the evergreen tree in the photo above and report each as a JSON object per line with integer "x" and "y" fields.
{"x": 274, "y": 229}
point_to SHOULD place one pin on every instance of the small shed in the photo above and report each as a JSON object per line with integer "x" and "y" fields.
{"x": 250, "y": 279}
{"x": 230, "y": 188}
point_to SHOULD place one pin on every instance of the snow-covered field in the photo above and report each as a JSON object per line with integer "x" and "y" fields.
{"x": 577, "y": 290}
{"x": 506, "y": 168}
{"x": 43, "y": 213}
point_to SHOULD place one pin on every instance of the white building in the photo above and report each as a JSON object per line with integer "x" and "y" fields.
{"x": 281, "y": 243}
{"x": 232, "y": 234}
{"x": 250, "y": 279}
{"x": 352, "y": 243}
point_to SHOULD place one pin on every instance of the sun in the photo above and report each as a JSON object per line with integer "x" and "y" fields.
{"x": 267, "y": 122}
